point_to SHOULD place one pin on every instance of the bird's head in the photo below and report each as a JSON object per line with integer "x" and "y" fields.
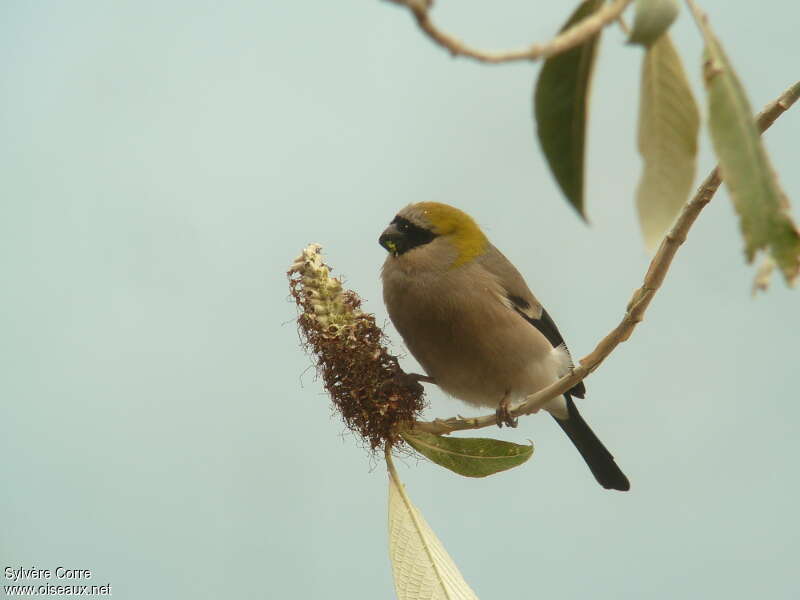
{"x": 434, "y": 229}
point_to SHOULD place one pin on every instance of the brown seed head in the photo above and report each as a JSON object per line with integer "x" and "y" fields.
{"x": 350, "y": 354}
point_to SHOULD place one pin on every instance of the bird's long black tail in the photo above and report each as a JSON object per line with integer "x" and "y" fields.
{"x": 600, "y": 460}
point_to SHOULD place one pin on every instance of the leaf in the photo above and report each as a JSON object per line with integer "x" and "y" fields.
{"x": 421, "y": 566}
{"x": 652, "y": 19}
{"x": 763, "y": 275}
{"x": 560, "y": 106}
{"x": 760, "y": 202}
{"x": 668, "y": 126}
{"x": 470, "y": 457}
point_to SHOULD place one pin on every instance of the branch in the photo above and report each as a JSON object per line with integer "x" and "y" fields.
{"x": 574, "y": 36}
{"x": 638, "y": 304}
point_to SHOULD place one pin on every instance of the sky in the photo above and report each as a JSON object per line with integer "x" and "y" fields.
{"x": 162, "y": 164}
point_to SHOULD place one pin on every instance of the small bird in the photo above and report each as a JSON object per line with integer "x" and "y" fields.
{"x": 468, "y": 317}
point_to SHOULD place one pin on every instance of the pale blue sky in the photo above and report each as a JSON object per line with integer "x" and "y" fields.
{"x": 162, "y": 164}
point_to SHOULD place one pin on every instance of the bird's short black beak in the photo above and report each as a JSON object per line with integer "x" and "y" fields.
{"x": 393, "y": 240}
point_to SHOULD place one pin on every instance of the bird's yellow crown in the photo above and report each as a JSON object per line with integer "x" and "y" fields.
{"x": 462, "y": 229}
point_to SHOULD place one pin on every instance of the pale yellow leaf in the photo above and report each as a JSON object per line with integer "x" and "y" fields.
{"x": 668, "y": 127}
{"x": 422, "y": 568}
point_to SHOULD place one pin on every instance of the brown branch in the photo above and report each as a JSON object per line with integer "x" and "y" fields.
{"x": 574, "y": 36}
{"x": 641, "y": 297}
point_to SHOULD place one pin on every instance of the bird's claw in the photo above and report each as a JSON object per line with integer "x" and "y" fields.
{"x": 504, "y": 416}
{"x": 410, "y": 381}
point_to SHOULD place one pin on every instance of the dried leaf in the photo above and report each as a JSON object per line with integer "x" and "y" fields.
{"x": 668, "y": 126}
{"x": 652, "y": 19}
{"x": 470, "y": 457}
{"x": 560, "y": 107}
{"x": 746, "y": 170}
{"x": 421, "y": 566}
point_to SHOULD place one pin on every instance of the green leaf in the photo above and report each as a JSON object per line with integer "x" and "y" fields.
{"x": 668, "y": 126}
{"x": 760, "y": 202}
{"x": 471, "y": 457}
{"x": 652, "y": 19}
{"x": 560, "y": 107}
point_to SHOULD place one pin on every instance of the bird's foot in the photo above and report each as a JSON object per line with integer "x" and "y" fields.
{"x": 503, "y": 414}
{"x": 409, "y": 381}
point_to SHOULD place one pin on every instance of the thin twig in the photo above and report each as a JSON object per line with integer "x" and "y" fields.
{"x": 641, "y": 297}
{"x": 574, "y": 36}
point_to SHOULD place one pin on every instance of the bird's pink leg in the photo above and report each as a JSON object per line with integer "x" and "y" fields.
{"x": 410, "y": 380}
{"x": 503, "y": 414}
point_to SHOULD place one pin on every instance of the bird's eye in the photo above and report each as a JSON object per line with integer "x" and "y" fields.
{"x": 404, "y": 227}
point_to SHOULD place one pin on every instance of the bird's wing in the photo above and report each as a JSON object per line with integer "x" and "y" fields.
{"x": 520, "y": 298}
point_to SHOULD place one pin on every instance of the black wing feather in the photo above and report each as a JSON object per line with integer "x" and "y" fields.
{"x": 547, "y": 327}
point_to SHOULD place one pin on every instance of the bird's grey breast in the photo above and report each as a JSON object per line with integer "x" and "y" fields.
{"x": 443, "y": 316}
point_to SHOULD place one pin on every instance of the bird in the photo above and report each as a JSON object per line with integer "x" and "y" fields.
{"x": 468, "y": 317}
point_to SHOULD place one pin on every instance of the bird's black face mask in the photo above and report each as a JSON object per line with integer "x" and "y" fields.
{"x": 402, "y": 235}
